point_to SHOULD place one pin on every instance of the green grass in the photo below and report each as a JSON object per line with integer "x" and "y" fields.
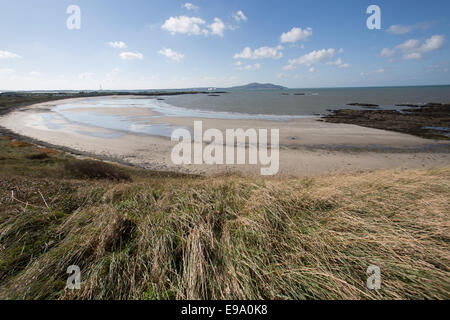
{"x": 167, "y": 236}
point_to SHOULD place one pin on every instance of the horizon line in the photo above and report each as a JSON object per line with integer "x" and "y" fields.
{"x": 217, "y": 88}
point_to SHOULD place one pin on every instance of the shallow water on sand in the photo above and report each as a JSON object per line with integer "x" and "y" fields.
{"x": 281, "y": 105}
{"x": 83, "y": 112}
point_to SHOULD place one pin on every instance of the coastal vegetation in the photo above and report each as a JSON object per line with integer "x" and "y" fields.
{"x": 139, "y": 234}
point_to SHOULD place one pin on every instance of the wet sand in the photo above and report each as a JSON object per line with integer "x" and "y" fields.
{"x": 307, "y": 146}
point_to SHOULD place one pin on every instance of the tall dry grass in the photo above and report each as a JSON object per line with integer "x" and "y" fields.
{"x": 241, "y": 238}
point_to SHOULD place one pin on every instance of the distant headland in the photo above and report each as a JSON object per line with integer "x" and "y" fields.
{"x": 257, "y": 86}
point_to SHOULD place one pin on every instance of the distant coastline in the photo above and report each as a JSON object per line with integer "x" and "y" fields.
{"x": 259, "y": 86}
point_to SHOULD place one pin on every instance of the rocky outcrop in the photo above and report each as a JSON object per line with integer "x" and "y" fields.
{"x": 428, "y": 121}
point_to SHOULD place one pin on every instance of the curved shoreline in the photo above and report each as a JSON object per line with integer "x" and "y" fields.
{"x": 307, "y": 146}
{"x": 7, "y": 132}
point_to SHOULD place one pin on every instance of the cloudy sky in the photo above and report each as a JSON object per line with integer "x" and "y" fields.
{"x": 145, "y": 44}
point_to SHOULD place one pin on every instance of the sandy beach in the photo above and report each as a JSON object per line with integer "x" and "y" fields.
{"x": 308, "y": 146}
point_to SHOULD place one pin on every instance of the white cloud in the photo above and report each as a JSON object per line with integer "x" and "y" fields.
{"x": 296, "y": 34}
{"x": 399, "y": 29}
{"x": 433, "y": 43}
{"x": 412, "y": 56}
{"x": 8, "y": 55}
{"x": 341, "y": 50}
{"x": 190, "y": 6}
{"x": 184, "y": 25}
{"x": 311, "y": 58}
{"x": 240, "y": 16}
{"x": 169, "y": 53}
{"x": 338, "y": 63}
{"x": 34, "y": 73}
{"x": 413, "y": 49}
{"x": 408, "y": 45}
{"x": 117, "y": 44}
{"x": 193, "y": 26}
{"x": 217, "y": 27}
{"x": 6, "y": 71}
{"x": 131, "y": 56}
{"x": 260, "y": 53}
{"x": 315, "y": 56}
{"x": 312, "y": 69}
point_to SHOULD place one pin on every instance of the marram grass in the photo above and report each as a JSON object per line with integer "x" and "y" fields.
{"x": 163, "y": 236}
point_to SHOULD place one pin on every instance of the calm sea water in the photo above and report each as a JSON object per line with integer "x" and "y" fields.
{"x": 315, "y": 101}
{"x": 268, "y": 105}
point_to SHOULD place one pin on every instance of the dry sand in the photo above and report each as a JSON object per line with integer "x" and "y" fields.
{"x": 307, "y": 146}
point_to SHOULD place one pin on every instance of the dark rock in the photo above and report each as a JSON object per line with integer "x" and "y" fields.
{"x": 407, "y": 105}
{"x": 419, "y": 121}
{"x": 356, "y": 104}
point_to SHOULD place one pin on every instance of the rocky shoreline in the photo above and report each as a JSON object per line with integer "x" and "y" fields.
{"x": 431, "y": 121}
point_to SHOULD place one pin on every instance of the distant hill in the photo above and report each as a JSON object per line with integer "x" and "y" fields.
{"x": 258, "y": 86}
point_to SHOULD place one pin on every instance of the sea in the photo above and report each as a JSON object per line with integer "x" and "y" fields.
{"x": 277, "y": 105}
{"x": 310, "y": 101}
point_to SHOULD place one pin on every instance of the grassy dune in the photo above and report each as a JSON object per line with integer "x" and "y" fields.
{"x": 143, "y": 235}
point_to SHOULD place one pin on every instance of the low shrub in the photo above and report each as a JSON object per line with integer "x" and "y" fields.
{"x": 38, "y": 156}
{"x": 92, "y": 169}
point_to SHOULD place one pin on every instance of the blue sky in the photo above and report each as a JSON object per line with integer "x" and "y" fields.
{"x": 142, "y": 44}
